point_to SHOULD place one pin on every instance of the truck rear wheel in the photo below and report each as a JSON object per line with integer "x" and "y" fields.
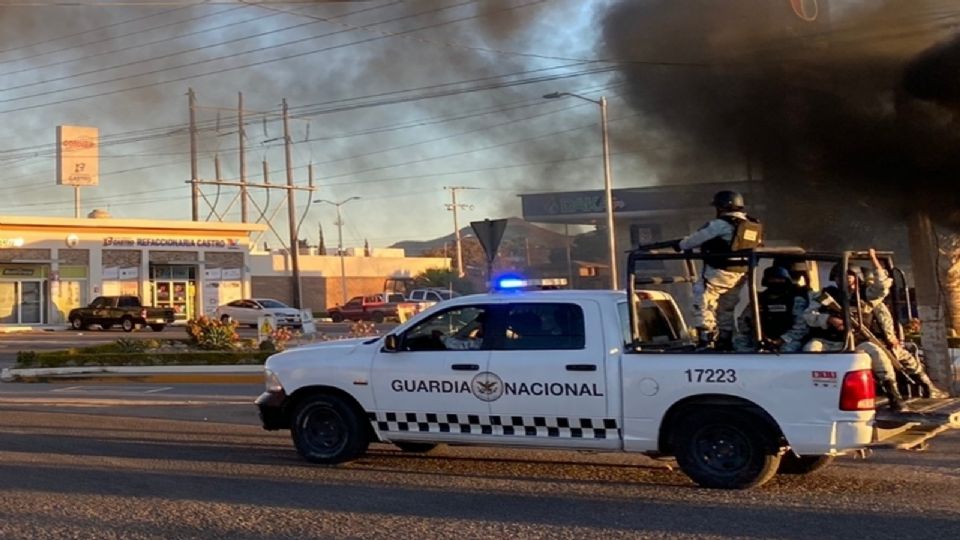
{"x": 127, "y": 324}
{"x": 378, "y": 317}
{"x": 790, "y": 463}
{"x": 327, "y": 430}
{"x": 725, "y": 449}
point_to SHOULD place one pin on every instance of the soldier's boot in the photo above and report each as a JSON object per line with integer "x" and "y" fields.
{"x": 706, "y": 339}
{"x": 894, "y": 399}
{"x": 724, "y": 341}
{"x": 931, "y": 389}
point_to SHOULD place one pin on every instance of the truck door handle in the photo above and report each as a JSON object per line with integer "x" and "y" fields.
{"x": 465, "y": 367}
{"x": 581, "y": 367}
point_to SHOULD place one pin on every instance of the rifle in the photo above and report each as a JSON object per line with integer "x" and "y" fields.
{"x": 831, "y": 305}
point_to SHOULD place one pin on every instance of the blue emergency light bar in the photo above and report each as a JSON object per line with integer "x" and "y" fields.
{"x": 514, "y": 283}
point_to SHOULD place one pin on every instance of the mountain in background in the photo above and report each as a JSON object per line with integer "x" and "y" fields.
{"x": 518, "y": 232}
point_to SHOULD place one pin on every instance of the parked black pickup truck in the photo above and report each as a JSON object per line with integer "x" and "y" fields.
{"x": 126, "y": 311}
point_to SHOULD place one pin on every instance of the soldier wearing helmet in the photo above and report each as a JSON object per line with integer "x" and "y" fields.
{"x": 781, "y": 305}
{"x": 828, "y": 329}
{"x": 717, "y": 293}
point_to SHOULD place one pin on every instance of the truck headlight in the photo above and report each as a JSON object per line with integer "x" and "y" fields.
{"x": 271, "y": 381}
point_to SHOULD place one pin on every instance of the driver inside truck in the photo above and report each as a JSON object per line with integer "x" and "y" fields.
{"x": 469, "y": 337}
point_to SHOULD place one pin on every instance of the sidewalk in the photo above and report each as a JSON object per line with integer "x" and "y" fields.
{"x": 228, "y": 374}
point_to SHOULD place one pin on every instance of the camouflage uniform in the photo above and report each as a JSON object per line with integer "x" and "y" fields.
{"x": 716, "y": 295}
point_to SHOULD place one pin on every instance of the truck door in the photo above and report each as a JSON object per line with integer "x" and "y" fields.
{"x": 549, "y": 362}
{"x": 428, "y": 385}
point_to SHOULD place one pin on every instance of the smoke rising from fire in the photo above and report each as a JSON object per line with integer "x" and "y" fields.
{"x": 854, "y": 116}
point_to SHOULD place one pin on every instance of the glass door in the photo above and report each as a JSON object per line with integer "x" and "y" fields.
{"x": 31, "y": 302}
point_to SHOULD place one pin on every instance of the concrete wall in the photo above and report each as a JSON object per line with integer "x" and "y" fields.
{"x": 319, "y": 293}
{"x": 320, "y": 276}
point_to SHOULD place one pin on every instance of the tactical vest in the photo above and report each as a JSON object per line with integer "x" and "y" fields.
{"x": 747, "y": 234}
{"x": 776, "y": 311}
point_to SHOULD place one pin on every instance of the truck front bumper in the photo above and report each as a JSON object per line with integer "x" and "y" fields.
{"x": 271, "y": 405}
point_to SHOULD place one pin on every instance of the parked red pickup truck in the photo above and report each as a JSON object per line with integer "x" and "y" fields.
{"x": 372, "y": 308}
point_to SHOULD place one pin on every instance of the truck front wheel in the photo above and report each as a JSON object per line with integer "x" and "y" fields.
{"x": 327, "y": 430}
{"x": 378, "y": 317}
{"x": 790, "y": 463}
{"x": 336, "y": 316}
{"x": 725, "y": 449}
{"x": 127, "y": 324}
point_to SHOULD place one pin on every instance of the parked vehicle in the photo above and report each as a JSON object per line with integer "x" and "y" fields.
{"x": 429, "y": 297}
{"x": 249, "y": 311}
{"x": 125, "y": 311}
{"x": 606, "y": 371}
{"x": 372, "y": 308}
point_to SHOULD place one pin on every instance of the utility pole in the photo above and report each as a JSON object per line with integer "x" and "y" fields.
{"x": 340, "y": 252}
{"x": 243, "y": 160}
{"x": 455, "y": 207}
{"x": 194, "y": 186}
{"x": 292, "y": 212}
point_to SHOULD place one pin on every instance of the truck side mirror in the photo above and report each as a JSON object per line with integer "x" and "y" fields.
{"x": 391, "y": 343}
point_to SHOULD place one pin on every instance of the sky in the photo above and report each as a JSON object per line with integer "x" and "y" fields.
{"x": 391, "y": 101}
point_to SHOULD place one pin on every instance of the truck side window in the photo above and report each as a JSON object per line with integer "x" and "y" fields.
{"x": 544, "y": 327}
{"x": 460, "y": 328}
{"x": 128, "y": 301}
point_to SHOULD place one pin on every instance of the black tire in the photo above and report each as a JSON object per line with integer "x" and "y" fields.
{"x": 790, "y": 463}
{"x": 726, "y": 449}
{"x": 336, "y": 316}
{"x": 104, "y": 327}
{"x": 77, "y": 323}
{"x": 127, "y": 324}
{"x": 327, "y": 430}
{"x": 157, "y": 327}
{"x": 225, "y": 319}
{"x": 378, "y": 317}
{"x": 415, "y": 447}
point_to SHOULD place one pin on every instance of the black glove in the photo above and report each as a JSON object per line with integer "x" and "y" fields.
{"x": 676, "y": 246}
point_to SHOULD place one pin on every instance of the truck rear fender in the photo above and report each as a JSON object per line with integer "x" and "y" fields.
{"x": 675, "y": 414}
{"x": 294, "y": 400}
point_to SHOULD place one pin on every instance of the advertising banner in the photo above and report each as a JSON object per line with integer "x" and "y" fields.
{"x": 78, "y": 156}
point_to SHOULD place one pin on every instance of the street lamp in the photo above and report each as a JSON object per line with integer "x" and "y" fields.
{"x": 339, "y": 224}
{"x": 607, "y": 182}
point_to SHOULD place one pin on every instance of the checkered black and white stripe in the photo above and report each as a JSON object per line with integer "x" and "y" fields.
{"x": 479, "y": 424}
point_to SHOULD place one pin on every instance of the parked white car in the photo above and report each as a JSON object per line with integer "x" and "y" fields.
{"x": 248, "y": 311}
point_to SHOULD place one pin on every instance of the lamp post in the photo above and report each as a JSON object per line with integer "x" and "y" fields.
{"x": 607, "y": 182}
{"x": 339, "y": 224}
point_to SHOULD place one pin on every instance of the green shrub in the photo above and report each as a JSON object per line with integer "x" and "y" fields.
{"x": 211, "y": 334}
{"x": 26, "y": 358}
{"x": 127, "y": 345}
{"x": 62, "y": 359}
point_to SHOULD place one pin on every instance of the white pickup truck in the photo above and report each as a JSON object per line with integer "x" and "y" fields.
{"x": 575, "y": 370}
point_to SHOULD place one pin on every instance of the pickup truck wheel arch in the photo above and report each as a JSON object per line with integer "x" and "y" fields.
{"x": 726, "y": 448}
{"x": 675, "y": 417}
{"x": 327, "y": 429}
{"x": 301, "y": 394}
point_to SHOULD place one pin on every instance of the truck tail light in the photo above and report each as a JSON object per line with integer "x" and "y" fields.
{"x": 858, "y": 392}
{"x": 143, "y": 313}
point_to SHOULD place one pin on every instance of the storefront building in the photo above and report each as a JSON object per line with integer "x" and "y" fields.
{"x": 49, "y": 266}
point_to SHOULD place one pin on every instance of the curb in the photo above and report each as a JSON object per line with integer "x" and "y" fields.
{"x": 234, "y": 374}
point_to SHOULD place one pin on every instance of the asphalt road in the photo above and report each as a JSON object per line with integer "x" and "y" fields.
{"x": 70, "y": 469}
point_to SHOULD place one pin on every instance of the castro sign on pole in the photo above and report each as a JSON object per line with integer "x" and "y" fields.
{"x": 78, "y": 156}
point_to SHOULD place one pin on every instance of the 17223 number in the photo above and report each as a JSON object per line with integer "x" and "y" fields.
{"x": 711, "y": 375}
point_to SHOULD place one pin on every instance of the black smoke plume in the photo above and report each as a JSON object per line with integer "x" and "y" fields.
{"x": 851, "y": 121}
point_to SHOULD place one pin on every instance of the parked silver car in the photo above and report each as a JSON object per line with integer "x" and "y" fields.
{"x": 248, "y": 311}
